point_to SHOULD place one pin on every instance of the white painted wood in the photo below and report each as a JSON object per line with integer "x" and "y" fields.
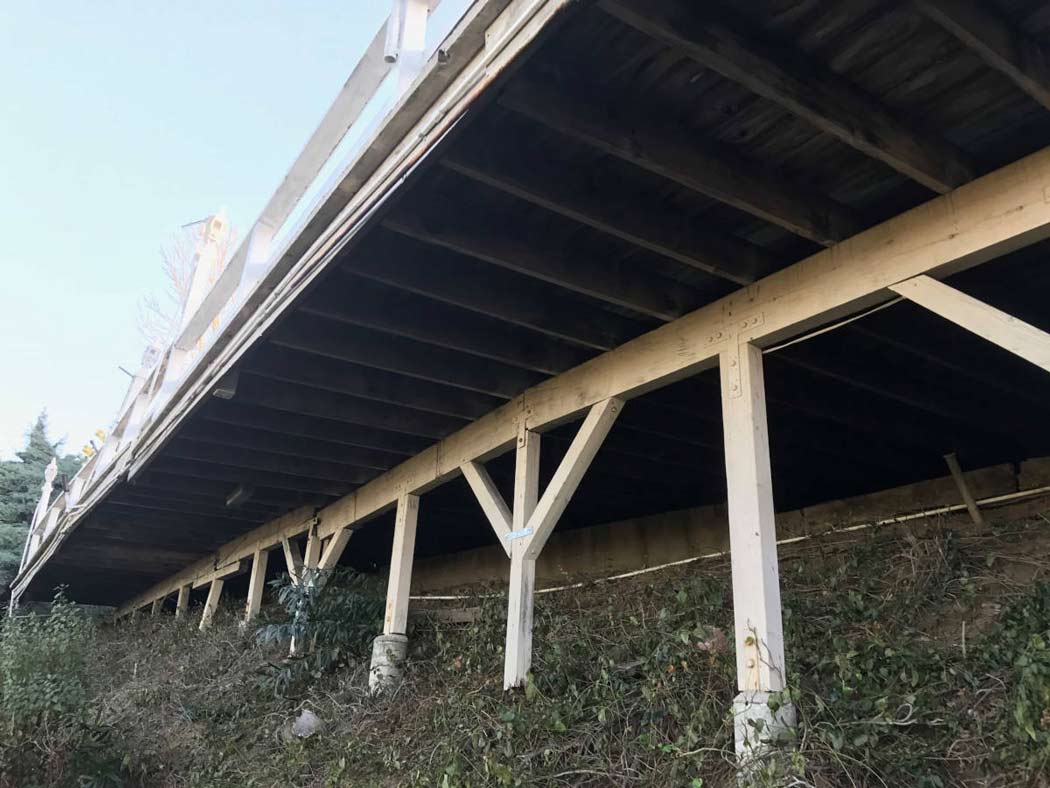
{"x": 522, "y": 581}
{"x": 492, "y": 504}
{"x": 400, "y": 578}
{"x": 312, "y": 557}
{"x": 334, "y": 550}
{"x": 293, "y": 559}
{"x": 999, "y": 212}
{"x": 567, "y": 477}
{"x": 256, "y": 585}
{"x": 182, "y": 604}
{"x": 156, "y": 607}
{"x": 212, "y": 603}
{"x": 964, "y": 489}
{"x": 752, "y": 529}
{"x": 1020, "y": 338}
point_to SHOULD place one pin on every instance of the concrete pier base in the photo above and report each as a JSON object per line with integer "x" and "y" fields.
{"x": 388, "y": 654}
{"x": 764, "y": 726}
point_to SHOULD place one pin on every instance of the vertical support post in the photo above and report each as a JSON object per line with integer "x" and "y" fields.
{"x": 964, "y": 489}
{"x": 182, "y": 604}
{"x": 156, "y": 607}
{"x": 390, "y": 648}
{"x": 518, "y": 655}
{"x": 256, "y": 583}
{"x": 752, "y": 537}
{"x": 212, "y": 603}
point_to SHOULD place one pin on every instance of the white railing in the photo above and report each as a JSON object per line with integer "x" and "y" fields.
{"x": 396, "y": 56}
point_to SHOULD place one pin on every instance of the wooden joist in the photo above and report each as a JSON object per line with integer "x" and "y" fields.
{"x": 256, "y": 460}
{"x": 387, "y": 309}
{"x": 667, "y": 151}
{"x": 806, "y": 89}
{"x": 995, "y": 214}
{"x": 476, "y": 286}
{"x": 1009, "y": 51}
{"x": 614, "y": 282}
{"x": 618, "y": 213}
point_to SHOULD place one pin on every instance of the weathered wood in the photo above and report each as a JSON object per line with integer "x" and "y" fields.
{"x": 806, "y": 89}
{"x": 256, "y": 585}
{"x": 476, "y": 286}
{"x": 156, "y": 607}
{"x": 712, "y": 170}
{"x": 182, "y": 604}
{"x": 257, "y": 460}
{"x": 623, "y": 285}
{"x": 375, "y": 305}
{"x": 211, "y": 605}
{"x": 334, "y": 550}
{"x": 616, "y": 213}
{"x": 1009, "y": 51}
{"x": 399, "y": 581}
{"x": 1020, "y": 338}
{"x": 964, "y": 489}
{"x": 752, "y": 526}
{"x": 293, "y": 560}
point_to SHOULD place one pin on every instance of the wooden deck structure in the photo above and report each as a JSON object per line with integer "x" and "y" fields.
{"x": 705, "y": 255}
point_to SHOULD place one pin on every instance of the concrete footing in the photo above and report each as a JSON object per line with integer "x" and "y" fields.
{"x": 388, "y": 654}
{"x": 763, "y": 724}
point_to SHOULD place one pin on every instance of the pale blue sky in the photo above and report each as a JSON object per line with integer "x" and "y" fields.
{"x": 119, "y": 122}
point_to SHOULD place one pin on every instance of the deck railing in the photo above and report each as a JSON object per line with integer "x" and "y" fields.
{"x": 412, "y": 34}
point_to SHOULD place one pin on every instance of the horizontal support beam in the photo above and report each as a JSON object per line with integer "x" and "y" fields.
{"x": 200, "y": 469}
{"x": 808, "y": 90}
{"x": 996, "y": 214}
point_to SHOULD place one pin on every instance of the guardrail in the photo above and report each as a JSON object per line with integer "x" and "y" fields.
{"x": 411, "y": 35}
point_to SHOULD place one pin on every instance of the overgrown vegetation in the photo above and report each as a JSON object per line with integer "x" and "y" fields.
{"x": 916, "y": 660}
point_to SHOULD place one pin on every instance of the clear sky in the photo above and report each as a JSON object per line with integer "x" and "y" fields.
{"x": 120, "y": 121}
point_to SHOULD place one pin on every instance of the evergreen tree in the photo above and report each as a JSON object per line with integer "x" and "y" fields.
{"x": 20, "y": 482}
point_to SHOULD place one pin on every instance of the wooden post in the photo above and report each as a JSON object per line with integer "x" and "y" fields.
{"x": 312, "y": 557}
{"x": 156, "y": 607}
{"x": 256, "y": 584}
{"x": 212, "y": 603}
{"x": 183, "y": 603}
{"x": 518, "y": 655}
{"x": 396, "y": 620}
{"x": 759, "y": 724}
{"x": 293, "y": 559}
{"x": 964, "y": 489}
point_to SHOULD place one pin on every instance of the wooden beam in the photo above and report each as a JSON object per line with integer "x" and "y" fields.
{"x": 622, "y": 284}
{"x": 569, "y": 474}
{"x": 334, "y": 550}
{"x": 312, "y": 556}
{"x": 196, "y": 469}
{"x": 182, "y": 604}
{"x": 405, "y": 357}
{"x": 395, "y": 622}
{"x": 996, "y": 214}
{"x": 327, "y": 429}
{"x": 256, "y": 585}
{"x": 470, "y": 284}
{"x": 157, "y": 606}
{"x": 222, "y": 573}
{"x": 518, "y": 649}
{"x": 752, "y": 526}
{"x": 617, "y": 213}
{"x": 301, "y": 368}
{"x": 384, "y": 308}
{"x": 211, "y": 605}
{"x": 712, "y": 170}
{"x": 492, "y": 504}
{"x": 808, "y": 90}
{"x": 1020, "y": 338}
{"x": 188, "y": 449}
{"x": 292, "y": 445}
{"x": 964, "y": 489}
{"x": 293, "y": 560}
{"x": 1006, "y": 49}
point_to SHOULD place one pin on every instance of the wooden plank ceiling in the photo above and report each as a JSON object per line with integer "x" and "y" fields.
{"x": 649, "y": 157}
